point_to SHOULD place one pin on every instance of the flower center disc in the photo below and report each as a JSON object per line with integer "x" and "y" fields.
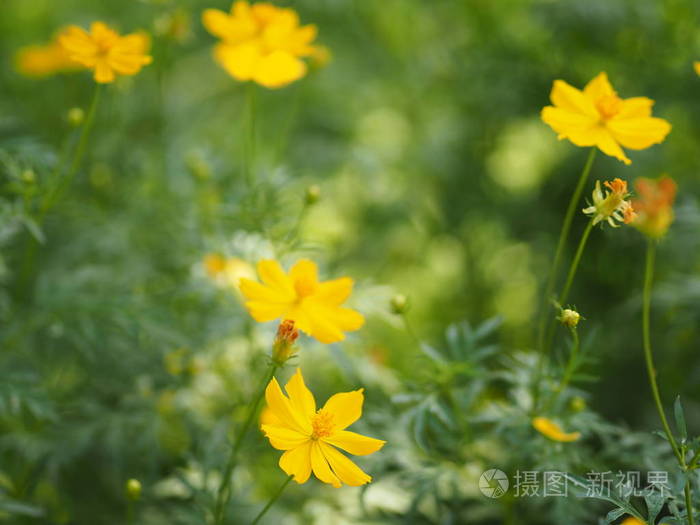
{"x": 322, "y": 424}
{"x": 609, "y": 106}
{"x": 304, "y": 287}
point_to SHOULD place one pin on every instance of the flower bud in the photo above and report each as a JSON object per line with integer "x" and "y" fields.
{"x": 313, "y": 194}
{"x": 133, "y": 489}
{"x": 29, "y": 176}
{"x": 578, "y": 404}
{"x": 569, "y": 318}
{"x": 399, "y": 304}
{"x": 75, "y": 116}
{"x": 284, "y": 346}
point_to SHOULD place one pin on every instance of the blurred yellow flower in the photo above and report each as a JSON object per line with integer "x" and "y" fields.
{"x": 314, "y": 306}
{"x": 105, "y": 51}
{"x": 227, "y": 271}
{"x": 654, "y": 207}
{"x": 44, "y": 60}
{"x": 696, "y": 65}
{"x": 612, "y": 205}
{"x": 262, "y": 43}
{"x": 597, "y": 116}
{"x": 550, "y": 429}
{"x": 309, "y": 436}
{"x": 632, "y": 521}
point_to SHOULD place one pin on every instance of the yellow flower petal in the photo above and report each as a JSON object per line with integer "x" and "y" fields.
{"x": 240, "y": 60}
{"x": 343, "y": 467}
{"x": 217, "y": 22}
{"x": 297, "y": 462}
{"x": 304, "y": 272}
{"x": 300, "y": 397}
{"x": 599, "y": 87}
{"x": 696, "y": 66}
{"x": 553, "y": 431}
{"x": 103, "y": 73}
{"x": 283, "y": 410}
{"x": 278, "y": 69}
{"x": 272, "y": 274}
{"x": 263, "y": 312}
{"x": 335, "y": 292}
{"x": 639, "y": 133}
{"x": 354, "y": 443}
{"x": 346, "y": 407}
{"x": 635, "y": 107}
{"x": 320, "y": 466}
{"x": 578, "y": 128}
{"x": 568, "y": 97}
{"x": 283, "y": 438}
{"x": 315, "y": 320}
{"x": 607, "y": 144}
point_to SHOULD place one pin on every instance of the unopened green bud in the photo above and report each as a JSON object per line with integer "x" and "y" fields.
{"x": 399, "y": 304}
{"x": 578, "y": 404}
{"x": 313, "y": 194}
{"x": 133, "y": 489}
{"x": 569, "y": 318}
{"x": 75, "y": 116}
{"x": 29, "y": 176}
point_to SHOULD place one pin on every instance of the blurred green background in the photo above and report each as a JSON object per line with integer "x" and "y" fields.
{"x": 120, "y": 358}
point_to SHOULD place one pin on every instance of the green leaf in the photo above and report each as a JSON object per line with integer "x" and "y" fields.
{"x": 613, "y": 515}
{"x": 680, "y": 418}
{"x": 655, "y": 501}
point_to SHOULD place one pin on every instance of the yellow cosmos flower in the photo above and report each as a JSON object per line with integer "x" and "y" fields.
{"x": 44, "y": 60}
{"x": 314, "y": 306}
{"x": 654, "y": 207}
{"x": 597, "y": 116}
{"x": 105, "y": 51}
{"x": 309, "y": 436}
{"x": 631, "y": 520}
{"x": 550, "y": 429}
{"x": 612, "y": 205}
{"x": 262, "y": 43}
{"x": 227, "y": 271}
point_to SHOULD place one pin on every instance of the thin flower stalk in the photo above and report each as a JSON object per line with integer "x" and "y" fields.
{"x": 554, "y": 270}
{"x": 66, "y": 180}
{"x": 651, "y": 372}
{"x": 272, "y": 501}
{"x": 223, "y": 496}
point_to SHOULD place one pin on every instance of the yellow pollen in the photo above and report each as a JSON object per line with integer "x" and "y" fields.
{"x": 304, "y": 287}
{"x": 322, "y": 424}
{"x": 608, "y": 106}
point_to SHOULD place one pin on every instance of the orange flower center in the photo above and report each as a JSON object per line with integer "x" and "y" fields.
{"x": 608, "y": 106}
{"x": 617, "y": 186}
{"x": 304, "y": 287}
{"x": 322, "y": 424}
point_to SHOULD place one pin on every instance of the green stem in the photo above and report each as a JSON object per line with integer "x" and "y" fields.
{"x": 66, "y": 181}
{"x": 130, "y": 512}
{"x": 224, "y": 493}
{"x": 646, "y": 335}
{"x": 554, "y": 272}
{"x": 574, "y": 264}
{"x": 551, "y": 328}
{"x": 272, "y": 501}
{"x": 689, "y": 502}
{"x": 563, "y": 237}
